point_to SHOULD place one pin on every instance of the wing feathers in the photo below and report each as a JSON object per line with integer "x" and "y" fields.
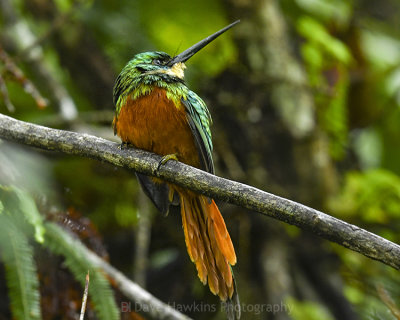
{"x": 199, "y": 120}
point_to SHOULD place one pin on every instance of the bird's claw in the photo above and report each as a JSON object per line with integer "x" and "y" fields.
{"x": 165, "y": 159}
{"x": 124, "y": 145}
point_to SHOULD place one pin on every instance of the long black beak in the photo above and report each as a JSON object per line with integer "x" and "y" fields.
{"x": 188, "y": 53}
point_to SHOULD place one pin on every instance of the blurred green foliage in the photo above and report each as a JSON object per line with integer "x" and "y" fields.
{"x": 190, "y": 27}
{"x": 134, "y": 26}
{"x": 327, "y": 60}
{"x": 372, "y": 196}
{"x": 104, "y": 209}
{"x": 62, "y": 243}
{"x": 307, "y": 310}
{"x": 20, "y": 221}
{"x": 17, "y": 253}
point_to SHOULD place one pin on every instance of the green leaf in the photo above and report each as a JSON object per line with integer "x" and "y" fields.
{"x": 21, "y": 204}
{"x": 28, "y": 207}
{"x": 63, "y": 243}
{"x": 315, "y": 32}
{"x": 336, "y": 11}
{"x": 21, "y": 273}
{"x": 312, "y": 55}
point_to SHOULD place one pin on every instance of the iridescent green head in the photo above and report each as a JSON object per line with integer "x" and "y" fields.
{"x": 146, "y": 69}
{"x": 151, "y": 63}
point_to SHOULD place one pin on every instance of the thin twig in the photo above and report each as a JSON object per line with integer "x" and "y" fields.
{"x": 20, "y": 36}
{"x": 84, "y": 299}
{"x": 17, "y": 75}
{"x": 5, "y": 96}
{"x": 388, "y": 301}
{"x": 142, "y": 240}
{"x": 325, "y": 226}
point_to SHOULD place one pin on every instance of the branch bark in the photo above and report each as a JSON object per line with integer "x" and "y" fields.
{"x": 325, "y": 226}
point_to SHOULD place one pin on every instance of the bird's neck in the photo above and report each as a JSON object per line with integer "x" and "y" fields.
{"x": 175, "y": 90}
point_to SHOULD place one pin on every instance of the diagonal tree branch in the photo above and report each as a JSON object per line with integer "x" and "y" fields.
{"x": 148, "y": 303}
{"x": 330, "y": 228}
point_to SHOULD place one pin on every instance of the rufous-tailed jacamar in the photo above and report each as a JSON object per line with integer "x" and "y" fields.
{"x": 156, "y": 111}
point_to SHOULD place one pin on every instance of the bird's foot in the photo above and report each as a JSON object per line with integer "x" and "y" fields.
{"x": 125, "y": 145}
{"x": 166, "y": 158}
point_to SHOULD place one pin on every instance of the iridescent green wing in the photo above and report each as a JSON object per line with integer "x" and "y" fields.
{"x": 200, "y": 120}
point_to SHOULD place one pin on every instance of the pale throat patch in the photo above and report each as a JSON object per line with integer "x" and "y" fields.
{"x": 177, "y": 70}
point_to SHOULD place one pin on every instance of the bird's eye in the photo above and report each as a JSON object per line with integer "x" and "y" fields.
{"x": 157, "y": 62}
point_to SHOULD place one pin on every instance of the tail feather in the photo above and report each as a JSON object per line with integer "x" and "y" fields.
{"x": 208, "y": 258}
{"x": 194, "y": 241}
{"x": 189, "y": 231}
{"x": 232, "y": 305}
{"x": 221, "y": 261}
{"x": 221, "y": 233}
{"x": 209, "y": 244}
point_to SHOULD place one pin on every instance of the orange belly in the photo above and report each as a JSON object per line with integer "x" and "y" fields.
{"x": 154, "y": 123}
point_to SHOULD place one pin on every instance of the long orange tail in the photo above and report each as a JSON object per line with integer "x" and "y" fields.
{"x": 208, "y": 243}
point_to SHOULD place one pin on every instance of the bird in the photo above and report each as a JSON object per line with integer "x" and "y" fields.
{"x": 157, "y": 112}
